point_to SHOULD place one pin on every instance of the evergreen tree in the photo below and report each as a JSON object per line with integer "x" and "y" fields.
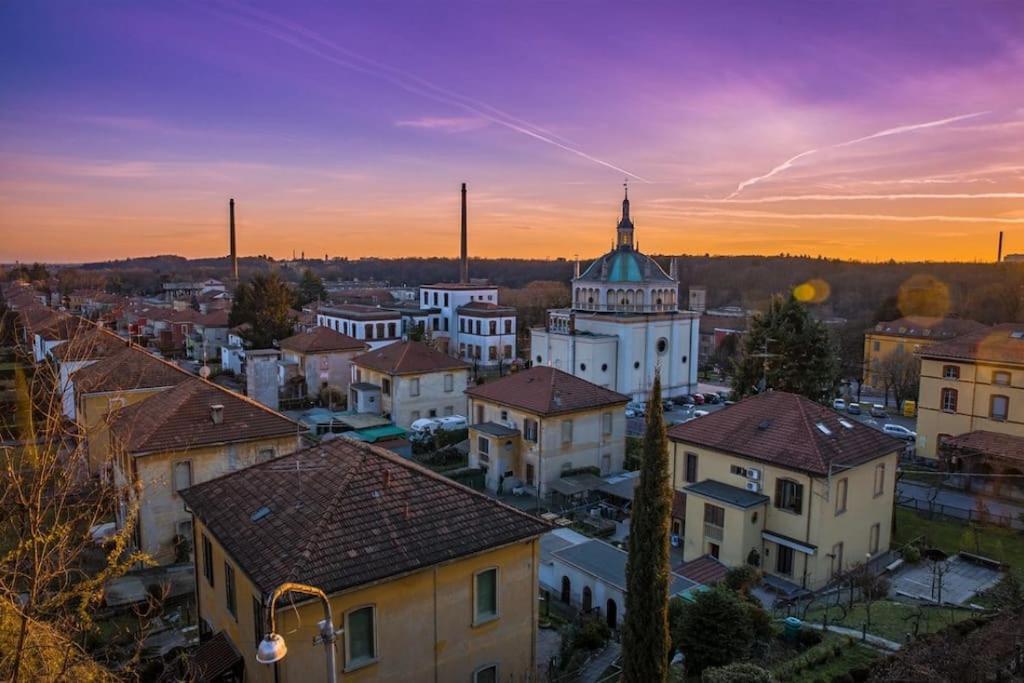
{"x": 645, "y": 637}
{"x": 787, "y": 350}
{"x": 266, "y": 304}
{"x": 715, "y": 630}
{"x": 311, "y": 288}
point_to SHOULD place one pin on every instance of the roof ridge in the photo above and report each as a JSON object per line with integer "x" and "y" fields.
{"x": 802, "y": 409}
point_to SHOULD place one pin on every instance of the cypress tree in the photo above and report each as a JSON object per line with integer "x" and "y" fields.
{"x": 645, "y": 636}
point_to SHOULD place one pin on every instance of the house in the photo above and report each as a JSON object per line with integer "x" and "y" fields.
{"x": 209, "y": 333}
{"x": 780, "y": 481}
{"x": 87, "y": 344}
{"x": 466, "y": 318}
{"x": 624, "y": 324}
{"x": 232, "y": 353}
{"x": 970, "y": 383}
{"x": 412, "y": 381}
{"x": 374, "y": 325}
{"x": 323, "y": 359}
{"x": 986, "y": 453}
{"x": 190, "y": 433}
{"x": 910, "y": 334}
{"x": 104, "y": 387}
{"x": 536, "y": 424}
{"x": 427, "y": 579}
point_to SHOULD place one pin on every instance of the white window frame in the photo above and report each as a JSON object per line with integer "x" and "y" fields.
{"x": 606, "y": 424}
{"x": 449, "y": 382}
{"x": 174, "y": 475}
{"x": 479, "y": 670}
{"x": 362, "y": 663}
{"x": 414, "y": 386}
{"x": 477, "y": 619}
{"x": 566, "y": 432}
{"x": 879, "y": 482}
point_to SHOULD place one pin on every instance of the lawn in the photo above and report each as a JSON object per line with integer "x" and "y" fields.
{"x": 998, "y": 543}
{"x": 857, "y": 656}
{"x": 892, "y": 620}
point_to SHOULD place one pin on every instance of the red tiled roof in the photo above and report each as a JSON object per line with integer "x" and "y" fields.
{"x": 215, "y": 318}
{"x": 90, "y": 343}
{"x": 1002, "y": 343}
{"x": 181, "y": 418}
{"x": 983, "y": 442}
{"x": 705, "y": 570}
{"x": 408, "y": 358}
{"x": 783, "y": 429}
{"x": 544, "y": 390}
{"x": 215, "y": 657}
{"x": 344, "y": 514}
{"x": 130, "y": 368}
{"x": 924, "y": 327}
{"x": 320, "y": 340}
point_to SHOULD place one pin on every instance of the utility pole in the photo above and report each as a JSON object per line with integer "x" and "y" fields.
{"x": 764, "y": 366}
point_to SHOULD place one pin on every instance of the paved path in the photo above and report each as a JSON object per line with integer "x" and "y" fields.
{"x": 957, "y": 503}
{"x": 592, "y": 670}
{"x": 876, "y": 641}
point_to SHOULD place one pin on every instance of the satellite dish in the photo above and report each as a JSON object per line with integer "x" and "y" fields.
{"x": 204, "y": 372}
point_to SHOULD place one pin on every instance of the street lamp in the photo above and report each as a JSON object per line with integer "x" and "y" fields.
{"x": 273, "y": 648}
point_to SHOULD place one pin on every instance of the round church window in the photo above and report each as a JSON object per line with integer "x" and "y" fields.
{"x": 604, "y": 367}
{"x": 662, "y": 345}
{"x": 538, "y": 359}
{"x": 684, "y": 359}
{"x": 583, "y": 367}
{"x": 636, "y": 365}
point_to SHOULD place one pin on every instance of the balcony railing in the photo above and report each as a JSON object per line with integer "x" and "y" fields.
{"x": 714, "y": 532}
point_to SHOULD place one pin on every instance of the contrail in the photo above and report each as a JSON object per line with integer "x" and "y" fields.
{"x": 293, "y": 34}
{"x": 847, "y": 197}
{"x": 880, "y": 134}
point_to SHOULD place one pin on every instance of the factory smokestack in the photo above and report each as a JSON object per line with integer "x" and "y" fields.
{"x": 234, "y": 251}
{"x": 999, "y": 254}
{"x": 464, "y": 261}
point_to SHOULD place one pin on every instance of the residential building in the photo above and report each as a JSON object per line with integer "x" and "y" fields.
{"x": 624, "y": 324}
{"x": 209, "y": 333}
{"x": 974, "y": 382}
{"x": 371, "y": 324}
{"x": 188, "y": 434}
{"x": 232, "y": 353}
{"x": 186, "y": 290}
{"x": 322, "y": 358}
{"x": 427, "y": 580}
{"x": 782, "y": 482}
{"x": 470, "y": 323}
{"x": 530, "y": 427}
{"x": 910, "y": 334}
{"x": 412, "y": 380}
{"x": 87, "y": 344}
{"x": 985, "y": 453}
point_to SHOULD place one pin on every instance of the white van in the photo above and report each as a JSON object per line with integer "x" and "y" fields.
{"x": 452, "y": 423}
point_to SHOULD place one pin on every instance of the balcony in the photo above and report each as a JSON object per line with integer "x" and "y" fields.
{"x": 714, "y": 532}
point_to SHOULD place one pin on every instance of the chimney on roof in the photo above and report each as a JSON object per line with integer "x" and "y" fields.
{"x": 234, "y": 251}
{"x": 464, "y": 260}
{"x": 217, "y": 414}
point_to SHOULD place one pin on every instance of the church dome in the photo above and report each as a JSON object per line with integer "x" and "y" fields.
{"x": 624, "y": 265}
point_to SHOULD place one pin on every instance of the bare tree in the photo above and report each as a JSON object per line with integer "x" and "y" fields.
{"x": 900, "y": 373}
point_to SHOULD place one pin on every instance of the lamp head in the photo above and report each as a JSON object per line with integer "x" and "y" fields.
{"x": 271, "y": 649}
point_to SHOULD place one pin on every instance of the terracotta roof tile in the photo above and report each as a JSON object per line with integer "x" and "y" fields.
{"x": 544, "y": 390}
{"x": 320, "y": 340}
{"x": 705, "y": 570}
{"x": 89, "y": 343}
{"x": 1002, "y": 343}
{"x": 924, "y": 327}
{"x": 129, "y": 368}
{"x": 783, "y": 429}
{"x": 408, "y": 358}
{"x": 983, "y": 442}
{"x": 344, "y": 513}
{"x": 181, "y": 418}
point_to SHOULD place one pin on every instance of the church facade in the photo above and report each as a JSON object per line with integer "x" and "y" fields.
{"x": 624, "y": 324}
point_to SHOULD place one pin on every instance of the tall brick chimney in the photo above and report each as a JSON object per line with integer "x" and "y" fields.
{"x": 234, "y": 251}
{"x": 464, "y": 261}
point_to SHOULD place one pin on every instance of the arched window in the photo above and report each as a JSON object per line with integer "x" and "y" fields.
{"x": 588, "y": 599}
{"x": 566, "y": 590}
{"x": 949, "y": 398}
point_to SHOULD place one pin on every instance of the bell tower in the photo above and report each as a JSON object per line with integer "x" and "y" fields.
{"x": 624, "y": 232}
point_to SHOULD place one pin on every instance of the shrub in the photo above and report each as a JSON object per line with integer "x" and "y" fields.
{"x": 911, "y": 554}
{"x": 842, "y": 678}
{"x": 740, "y": 672}
{"x": 860, "y": 674}
{"x": 808, "y": 638}
{"x": 742, "y": 578}
{"x": 715, "y": 629}
{"x": 592, "y": 634}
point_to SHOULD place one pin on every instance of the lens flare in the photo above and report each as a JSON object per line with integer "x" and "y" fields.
{"x": 923, "y": 296}
{"x": 812, "y": 292}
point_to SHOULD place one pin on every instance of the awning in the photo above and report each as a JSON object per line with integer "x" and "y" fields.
{"x": 799, "y": 546}
{"x": 215, "y": 657}
{"x": 576, "y": 484}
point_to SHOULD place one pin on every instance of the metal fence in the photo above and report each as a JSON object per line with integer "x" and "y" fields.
{"x": 979, "y": 515}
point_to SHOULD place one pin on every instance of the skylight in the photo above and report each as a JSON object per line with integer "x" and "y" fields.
{"x": 823, "y": 429}
{"x": 260, "y": 514}
{"x": 846, "y": 423}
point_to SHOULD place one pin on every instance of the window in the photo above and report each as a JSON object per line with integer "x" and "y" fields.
{"x": 436, "y": 324}
{"x": 951, "y": 372}
{"x": 367, "y": 331}
{"x": 449, "y": 382}
{"x": 493, "y": 327}
{"x": 566, "y": 431}
{"x": 488, "y": 674}
{"x": 784, "y": 560}
{"x": 492, "y": 353}
{"x": 1001, "y": 377}
{"x": 508, "y": 352}
{"x": 691, "y": 468}
{"x": 485, "y": 598}
{"x": 530, "y": 430}
{"x": 476, "y": 326}
{"x": 740, "y": 471}
{"x": 449, "y": 411}
{"x": 789, "y": 495}
{"x": 208, "y": 560}
{"x": 999, "y": 408}
{"x": 462, "y": 325}
{"x": 876, "y": 531}
{"x": 182, "y": 475}
{"x": 837, "y": 559}
{"x": 257, "y": 620}
{"x": 432, "y": 412}
{"x": 483, "y": 444}
{"x": 391, "y": 329}
{"x": 948, "y": 403}
{"x": 445, "y": 324}
{"x": 435, "y": 298}
{"x": 529, "y": 474}
{"x": 606, "y": 423}
{"x": 877, "y": 346}
{"x": 414, "y": 386}
{"x": 504, "y": 416}
{"x": 385, "y": 386}
{"x": 265, "y": 454}
{"x": 841, "y": 496}
{"x": 360, "y": 637}
{"x": 714, "y": 515}
{"x": 508, "y": 327}
{"x": 879, "y": 479}
{"x": 446, "y": 299}
{"x": 229, "y": 590}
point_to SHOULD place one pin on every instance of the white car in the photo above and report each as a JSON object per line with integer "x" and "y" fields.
{"x": 638, "y": 409}
{"x": 900, "y": 432}
{"x": 839, "y": 404}
{"x": 700, "y": 413}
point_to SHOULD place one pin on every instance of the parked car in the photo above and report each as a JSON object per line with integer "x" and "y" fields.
{"x": 683, "y": 400}
{"x": 853, "y": 409}
{"x": 839, "y": 404}
{"x": 667, "y": 404}
{"x": 878, "y": 410}
{"x": 710, "y": 398}
{"x": 637, "y": 408}
{"x": 697, "y": 399}
{"x": 900, "y": 432}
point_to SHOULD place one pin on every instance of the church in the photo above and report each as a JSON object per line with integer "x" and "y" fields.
{"x": 624, "y": 323}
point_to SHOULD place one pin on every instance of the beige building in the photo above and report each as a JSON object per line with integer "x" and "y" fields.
{"x": 785, "y": 483}
{"x": 322, "y": 358}
{"x": 191, "y": 433}
{"x": 531, "y": 426}
{"x": 972, "y": 383}
{"x": 428, "y": 580}
{"x": 910, "y": 334}
{"x": 412, "y": 380}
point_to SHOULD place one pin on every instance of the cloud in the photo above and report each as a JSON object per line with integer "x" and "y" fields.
{"x": 451, "y": 124}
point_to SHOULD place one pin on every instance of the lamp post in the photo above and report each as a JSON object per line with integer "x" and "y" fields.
{"x": 273, "y": 649}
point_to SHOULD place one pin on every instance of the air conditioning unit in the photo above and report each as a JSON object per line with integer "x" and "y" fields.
{"x": 753, "y": 486}
{"x": 753, "y": 474}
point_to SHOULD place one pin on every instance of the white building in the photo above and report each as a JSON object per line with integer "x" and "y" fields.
{"x": 477, "y": 328}
{"x": 624, "y": 323}
{"x": 374, "y": 325}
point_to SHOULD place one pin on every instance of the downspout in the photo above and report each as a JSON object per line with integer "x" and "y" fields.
{"x": 807, "y": 538}
{"x": 435, "y": 624}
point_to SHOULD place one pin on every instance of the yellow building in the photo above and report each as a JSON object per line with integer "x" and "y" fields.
{"x": 910, "y": 334}
{"x": 972, "y": 383}
{"x": 101, "y": 389}
{"x": 534, "y": 425}
{"x": 427, "y": 580}
{"x": 191, "y": 433}
{"x": 787, "y": 484}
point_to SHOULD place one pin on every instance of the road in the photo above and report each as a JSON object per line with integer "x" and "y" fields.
{"x": 956, "y": 503}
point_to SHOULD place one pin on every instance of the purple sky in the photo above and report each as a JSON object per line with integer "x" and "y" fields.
{"x": 346, "y": 128}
